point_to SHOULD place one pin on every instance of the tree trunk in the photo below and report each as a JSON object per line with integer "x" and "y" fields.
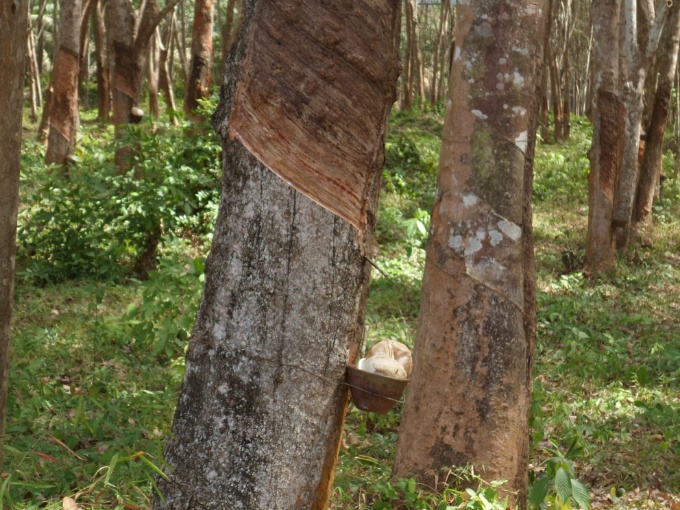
{"x": 566, "y": 99}
{"x": 556, "y": 96}
{"x": 608, "y": 121}
{"x": 102, "y": 62}
{"x": 165, "y": 77}
{"x": 153, "y": 68}
{"x": 33, "y": 74}
{"x": 198, "y": 86}
{"x": 406, "y": 98}
{"x": 635, "y": 65}
{"x": 84, "y": 51}
{"x": 470, "y": 394}
{"x": 652, "y": 159}
{"x": 130, "y": 48}
{"x": 13, "y": 24}
{"x": 260, "y": 415}
{"x": 64, "y": 116}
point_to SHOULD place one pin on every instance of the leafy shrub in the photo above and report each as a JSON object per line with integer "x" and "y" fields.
{"x": 164, "y": 319}
{"x": 94, "y": 222}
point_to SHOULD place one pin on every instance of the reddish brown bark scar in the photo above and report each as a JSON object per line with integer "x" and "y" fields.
{"x": 312, "y": 102}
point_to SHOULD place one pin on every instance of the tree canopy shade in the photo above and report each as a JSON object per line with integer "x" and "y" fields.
{"x": 13, "y": 16}
{"x": 470, "y": 396}
{"x": 260, "y": 414}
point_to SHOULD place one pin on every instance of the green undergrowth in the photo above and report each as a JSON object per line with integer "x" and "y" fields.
{"x": 97, "y": 354}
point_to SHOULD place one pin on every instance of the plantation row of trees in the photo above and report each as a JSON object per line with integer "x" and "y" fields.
{"x": 307, "y": 91}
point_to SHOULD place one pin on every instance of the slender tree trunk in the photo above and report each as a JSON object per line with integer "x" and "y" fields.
{"x": 416, "y": 58}
{"x": 33, "y": 75}
{"x": 544, "y": 115}
{"x": 64, "y": 117}
{"x": 608, "y": 120}
{"x": 470, "y": 394}
{"x": 39, "y": 44}
{"x": 153, "y": 68}
{"x": 84, "y": 51}
{"x": 439, "y": 44}
{"x": 566, "y": 100}
{"x": 13, "y": 25}
{"x": 260, "y": 415}
{"x": 652, "y": 159}
{"x": 198, "y": 86}
{"x": 102, "y": 62}
{"x": 556, "y": 96}
{"x": 226, "y": 30}
{"x": 407, "y": 70}
{"x": 165, "y": 77}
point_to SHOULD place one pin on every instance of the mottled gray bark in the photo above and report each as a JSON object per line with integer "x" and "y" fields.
{"x": 13, "y": 16}
{"x": 470, "y": 395}
{"x": 260, "y": 415}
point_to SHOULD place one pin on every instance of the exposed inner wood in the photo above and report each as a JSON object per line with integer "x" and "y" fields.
{"x": 311, "y": 103}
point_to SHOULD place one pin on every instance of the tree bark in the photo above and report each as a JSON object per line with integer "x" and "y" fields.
{"x": 13, "y": 24}
{"x": 198, "y": 86}
{"x": 130, "y": 33}
{"x": 406, "y": 98}
{"x": 608, "y": 121}
{"x": 153, "y": 67}
{"x": 64, "y": 116}
{"x": 102, "y": 63}
{"x": 652, "y": 160}
{"x": 470, "y": 394}
{"x": 635, "y": 63}
{"x": 165, "y": 77}
{"x": 260, "y": 415}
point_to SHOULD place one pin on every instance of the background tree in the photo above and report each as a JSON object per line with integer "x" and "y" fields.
{"x": 198, "y": 86}
{"x": 650, "y": 169}
{"x": 470, "y": 395}
{"x": 624, "y": 46}
{"x": 286, "y": 280}
{"x": 13, "y": 23}
{"x": 130, "y": 32}
{"x": 63, "y": 115}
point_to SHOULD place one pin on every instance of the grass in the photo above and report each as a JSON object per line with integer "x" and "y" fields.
{"x": 96, "y": 365}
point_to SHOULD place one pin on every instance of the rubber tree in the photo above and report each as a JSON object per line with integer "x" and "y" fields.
{"x": 608, "y": 115}
{"x": 198, "y": 86}
{"x": 63, "y": 115}
{"x": 650, "y": 170}
{"x": 130, "y": 33}
{"x": 470, "y": 395}
{"x": 307, "y": 92}
{"x": 13, "y": 23}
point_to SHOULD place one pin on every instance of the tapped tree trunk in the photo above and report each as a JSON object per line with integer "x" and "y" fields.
{"x": 470, "y": 394}
{"x": 650, "y": 170}
{"x": 64, "y": 117}
{"x": 608, "y": 121}
{"x": 635, "y": 64}
{"x": 260, "y": 414}
{"x": 198, "y": 86}
{"x": 13, "y": 23}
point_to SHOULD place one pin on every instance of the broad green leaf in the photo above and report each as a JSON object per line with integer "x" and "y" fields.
{"x": 539, "y": 490}
{"x": 580, "y": 494}
{"x": 563, "y": 484}
{"x": 411, "y": 486}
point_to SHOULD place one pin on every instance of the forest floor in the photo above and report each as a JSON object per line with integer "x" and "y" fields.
{"x": 97, "y": 360}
